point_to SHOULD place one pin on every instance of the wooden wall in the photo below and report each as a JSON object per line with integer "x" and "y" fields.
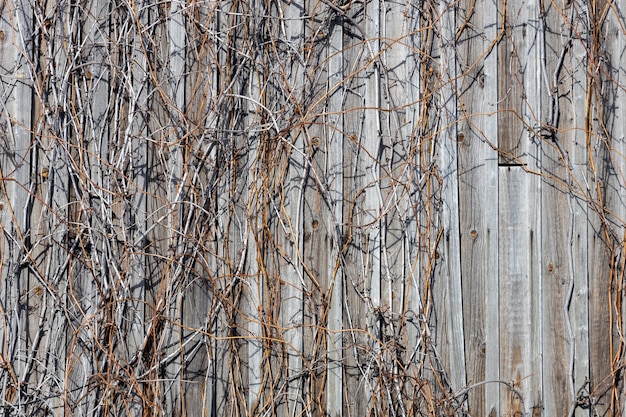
{"x": 312, "y": 207}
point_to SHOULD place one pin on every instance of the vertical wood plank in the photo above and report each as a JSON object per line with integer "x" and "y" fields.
{"x": 520, "y": 209}
{"x": 361, "y": 245}
{"x": 237, "y": 324}
{"x": 335, "y": 200}
{"x": 520, "y": 356}
{"x": 17, "y": 193}
{"x": 291, "y": 172}
{"x": 134, "y": 166}
{"x": 478, "y": 202}
{"x": 356, "y": 366}
{"x": 78, "y": 141}
{"x": 611, "y": 194}
{"x": 564, "y": 262}
{"x": 46, "y": 214}
{"x": 428, "y": 203}
{"x": 322, "y": 146}
{"x": 512, "y": 54}
{"x": 410, "y": 77}
{"x": 138, "y": 168}
{"x": 556, "y": 265}
{"x": 255, "y": 296}
{"x": 605, "y": 234}
{"x": 232, "y": 239}
{"x": 200, "y": 299}
{"x": 616, "y": 125}
{"x": 599, "y": 311}
{"x": 171, "y": 95}
{"x": 449, "y": 273}
{"x": 398, "y": 91}
{"x": 574, "y": 117}
{"x": 556, "y": 217}
{"x": 370, "y": 208}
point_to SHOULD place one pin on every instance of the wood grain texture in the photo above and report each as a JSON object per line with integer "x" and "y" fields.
{"x": 513, "y": 53}
{"x": 606, "y": 182}
{"x": 478, "y": 203}
{"x": 574, "y": 114}
{"x": 358, "y": 365}
{"x": 520, "y": 225}
{"x": 354, "y": 313}
{"x": 177, "y": 396}
{"x": 19, "y": 182}
{"x": 615, "y": 123}
{"x": 519, "y": 292}
{"x": 334, "y": 179}
{"x": 89, "y": 154}
{"x": 254, "y": 321}
{"x": 399, "y": 299}
{"x": 200, "y": 88}
{"x": 610, "y": 187}
{"x": 449, "y": 271}
{"x": 369, "y": 138}
{"x": 230, "y": 238}
{"x": 294, "y": 171}
{"x": 557, "y": 218}
{"x": 21, "y": 198}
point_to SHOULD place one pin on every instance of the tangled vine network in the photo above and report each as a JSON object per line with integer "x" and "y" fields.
{"x": 312, "y": 207}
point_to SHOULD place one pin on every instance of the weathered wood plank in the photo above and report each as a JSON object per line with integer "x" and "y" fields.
{"x": 169, "y": 106}
{"x": 292, "y": 274}
{"x": 18, "y": 182}
{"x": 478, "y": 202}
{"x": 137, "y": 163}
{"x": 427, "y": 205}
{"x": 604, "y": 132}
{"x": 361, "y": 254}
{"x": 232, "y": 241}
{"x": 322, "y": 202}
{"x": 369, "y": 214}
{"x": 608, "y": 44}
{"x": 76, "y": 141}
{"x": 43, "y": 270}
{"x": 574, "y": 117}
{"x": 139, "y": 172}
{"x": 201, "y": 301}
{"x": 556, "y": 260}
{"x": 520, "y": 212}
{"x": 599, "y": 273}
{"x": 410, "y": 197}
{"x": 615, "y": 124}
{"x": 393, "y": 168}
{"x": 290, "y": 172}
{"x": 512, "y": 75}
{"x": 449, "y": 274}
{"x": 255, "y": 306}
{"x": 399, "y": 298}
{"x": 333, "y": 130}
{"x": 557, "y": 216}
{"x": 520, "y": 355}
